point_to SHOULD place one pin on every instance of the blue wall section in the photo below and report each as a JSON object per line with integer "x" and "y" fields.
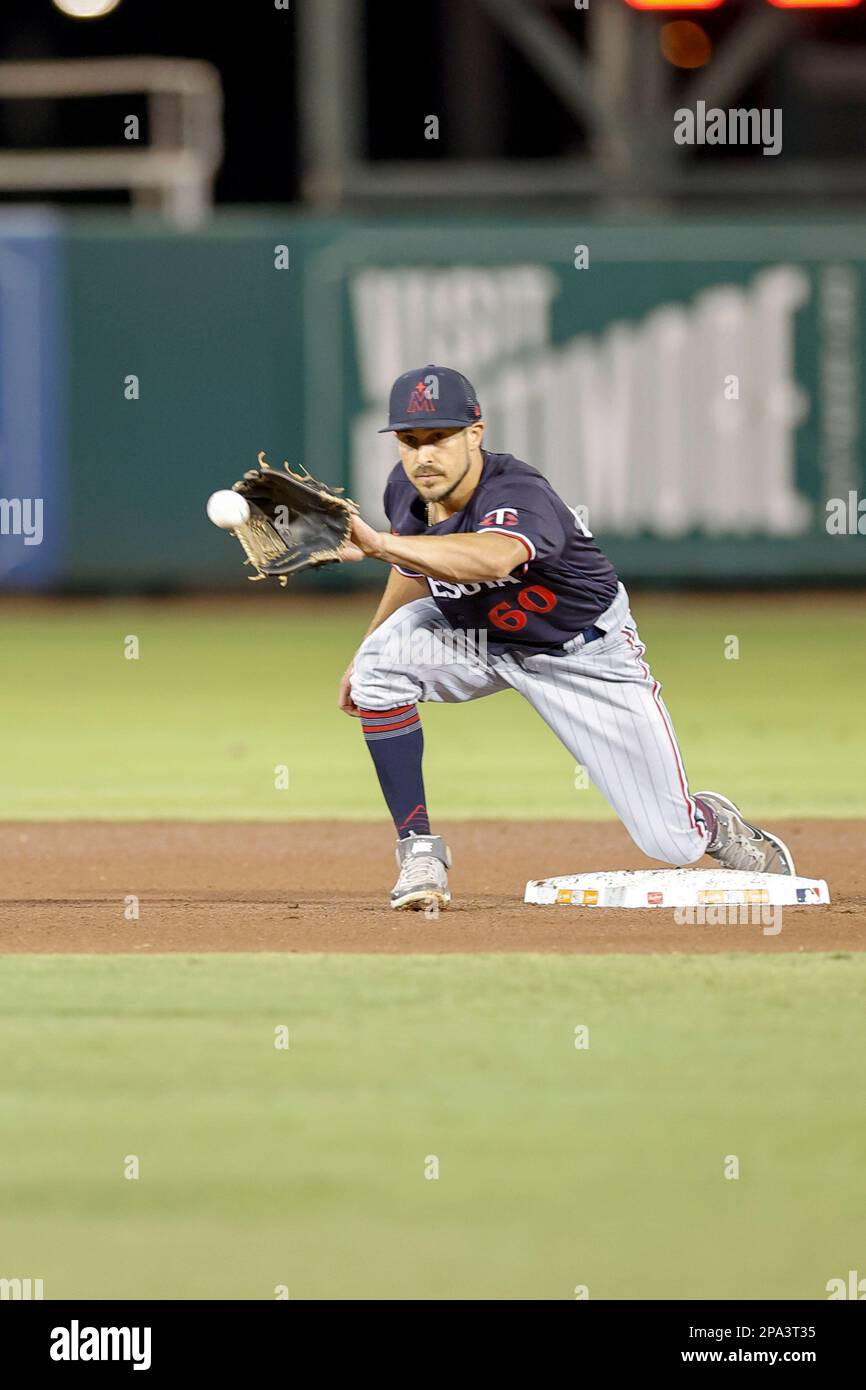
{"x": 33, "y": 415}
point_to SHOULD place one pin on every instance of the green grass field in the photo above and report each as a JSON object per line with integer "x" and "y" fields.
{"x": 557, "y": 1166}
{"x": 222, "y": 695}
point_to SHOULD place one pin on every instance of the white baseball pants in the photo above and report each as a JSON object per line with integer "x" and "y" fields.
{"x": 601, "y": 701}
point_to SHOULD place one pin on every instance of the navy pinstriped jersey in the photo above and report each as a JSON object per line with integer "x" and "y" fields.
{"x": 565, "y": 584}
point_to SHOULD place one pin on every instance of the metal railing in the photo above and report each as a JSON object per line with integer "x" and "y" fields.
{"x": 174, "y": 173}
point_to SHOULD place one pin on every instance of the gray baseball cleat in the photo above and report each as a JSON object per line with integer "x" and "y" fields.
{"x": 739, "y": 845}
{"x": 424, "y": 861}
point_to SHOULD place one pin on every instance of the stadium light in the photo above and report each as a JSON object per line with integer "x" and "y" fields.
{"x": 85, "y": 9}
{"x": 675, "y": 4}
{"x": 815, "y": 4}
{"x": 714, "y": 4}
{"x": 685, "y": 44}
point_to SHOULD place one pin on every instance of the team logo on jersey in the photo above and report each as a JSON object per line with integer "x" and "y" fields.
{"x": 505, "y": 516}
{"x": 421, "y": 399}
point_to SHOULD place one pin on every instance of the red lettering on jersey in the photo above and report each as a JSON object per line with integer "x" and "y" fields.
{"x": 504, "y": 516}
{"x": 535, "y": 598}
{"x": 509, "y": 619}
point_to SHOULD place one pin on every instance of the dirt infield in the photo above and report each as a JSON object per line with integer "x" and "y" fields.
{"x": 318, "y": 886}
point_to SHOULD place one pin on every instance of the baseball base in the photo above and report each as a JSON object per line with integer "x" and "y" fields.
{"x": 676, "y": 888}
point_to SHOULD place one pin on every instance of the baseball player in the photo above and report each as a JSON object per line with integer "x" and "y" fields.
{"x": 496, "y": 583}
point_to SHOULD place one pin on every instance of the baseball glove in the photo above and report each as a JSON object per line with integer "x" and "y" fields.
{"x": 296, "y": 522}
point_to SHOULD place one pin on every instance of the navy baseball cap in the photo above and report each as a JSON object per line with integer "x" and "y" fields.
{"x": 430, "y": 397}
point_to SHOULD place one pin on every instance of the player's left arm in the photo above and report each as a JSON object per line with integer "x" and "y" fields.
{"x": 467, "y": 558}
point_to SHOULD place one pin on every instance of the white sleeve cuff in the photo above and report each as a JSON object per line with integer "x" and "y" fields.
{"x": 504, "y": 531}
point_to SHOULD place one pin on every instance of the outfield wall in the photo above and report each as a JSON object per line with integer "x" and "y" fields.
{"x": 698, "y": 388}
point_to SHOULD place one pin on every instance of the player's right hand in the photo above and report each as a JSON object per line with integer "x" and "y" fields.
{"x": 344, "y": 699}
{"x": 364, "y": 538}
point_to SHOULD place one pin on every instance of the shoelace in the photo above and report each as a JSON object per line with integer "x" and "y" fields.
{"x": 417, "y": 867}
{"x": 744, "y": 848}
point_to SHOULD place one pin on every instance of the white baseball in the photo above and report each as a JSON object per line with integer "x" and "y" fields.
{"x": 228, "y": 509}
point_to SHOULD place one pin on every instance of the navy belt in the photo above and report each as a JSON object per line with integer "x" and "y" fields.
{"x": 589, "y": 634}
